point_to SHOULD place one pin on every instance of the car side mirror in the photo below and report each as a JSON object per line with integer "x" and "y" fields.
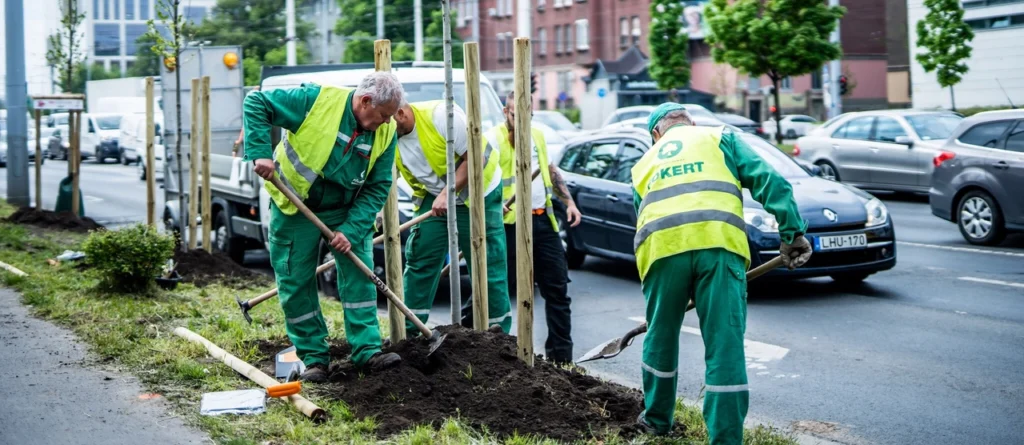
{"x": 904, "y": 140}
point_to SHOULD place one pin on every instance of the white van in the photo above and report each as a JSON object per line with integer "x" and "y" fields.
{"x": 132, "y": 136}
{"x": 97, "y": 137}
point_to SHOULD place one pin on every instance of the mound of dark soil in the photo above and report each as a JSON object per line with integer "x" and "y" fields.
{"x": 477, "y": 377}
{"x": 201, "y": 268}
{"x": 53, "y": 220}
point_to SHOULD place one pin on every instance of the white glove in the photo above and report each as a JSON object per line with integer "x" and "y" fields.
{"x": 796, "y": 254}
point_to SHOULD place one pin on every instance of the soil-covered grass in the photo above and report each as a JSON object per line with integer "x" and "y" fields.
{"x": 132, "y": 333}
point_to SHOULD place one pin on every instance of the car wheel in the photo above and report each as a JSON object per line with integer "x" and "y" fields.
{"x": 828, "y": 171}
{"x": 979, "y": 219}
{"x": 850, "y": 278}
{"x": 64, "y": 155}
{"x": 142, "y": 172}
{"x": 574, "y": 258}
{"x": 99, "y": 158}
{"x": 327, "y": 282}
{"x": 222, "y": 240}
{"x": 123, "y": 159}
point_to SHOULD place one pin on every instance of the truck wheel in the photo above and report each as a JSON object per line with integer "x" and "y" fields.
{"x": 123, "y": 159}
{"x": 327, "y": 282}
{"x": 222, "y": 239}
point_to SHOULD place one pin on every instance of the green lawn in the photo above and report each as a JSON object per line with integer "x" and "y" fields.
{"x": 133, "y": 332}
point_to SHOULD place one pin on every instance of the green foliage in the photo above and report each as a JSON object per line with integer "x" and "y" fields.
{"x": 128, "y": 259}
{"x": 573, "y": 114}
{"x": 64, "y": 50}
{"x": 433, "y": 39}
{"x": 971, "y": 111}
{"x": 358, "y": 47}
{"x": 358, "y": 23}
{"x": 944, "y": 36}
{"x": 669, "y": 42}
{"x": 147, "y": 62}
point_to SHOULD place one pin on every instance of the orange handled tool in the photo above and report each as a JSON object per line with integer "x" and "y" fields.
{"x": 284, "y": 389}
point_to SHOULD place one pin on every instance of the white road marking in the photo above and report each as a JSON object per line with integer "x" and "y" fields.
{"x": 996, "y": 282}
{"x": 754, "y": 350}
{"x": 93, "y": 199}
{"x": 962, "y": 249}
{"x": 961, "y": 312}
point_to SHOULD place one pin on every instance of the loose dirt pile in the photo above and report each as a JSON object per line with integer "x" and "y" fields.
{"x": 477, "y": 377}
{"x": 53, "y": 220}
{"x": 202, "y": 268}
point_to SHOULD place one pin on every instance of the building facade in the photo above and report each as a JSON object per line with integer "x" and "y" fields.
{"x": 996, "y": 76}
{"x": 42, "y": 18}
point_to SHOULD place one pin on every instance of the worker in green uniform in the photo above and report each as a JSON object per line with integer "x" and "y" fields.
{"x": 422, "y": 161}
{"x": 337, "y": 157}
{"x": 691, "y": 243}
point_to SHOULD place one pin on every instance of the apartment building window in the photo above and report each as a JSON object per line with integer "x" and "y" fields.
{"x": 106, "y": 9}
{"x": 636, "y": 30}
{"x": 143, "y": 9}
{"x": 107, "y": 39}
{"x": 816, "y": 79}
{"x": 542, "y": 42}
{"x": 542, "y": 89}
{"x": 568, "y": 30}
{"x": 509, "y": 39}
{"x": 501, "y": 46}
{"x": 623, "y": 32}
{"x": 582, "y": 35}
{"x": 509, "y": 8}
{"x": 786, "y": 83}
{"x": 559, "y": 3}
{"x": 117, "y": 9}
{"x": 131, "y": 37}
{"x": 129, "y": 9}
{"x": 96, "y": 9}
{"x": 1005, "y": 21}
{"x": 558, "y": 40}
{"x": 541, "y": 4}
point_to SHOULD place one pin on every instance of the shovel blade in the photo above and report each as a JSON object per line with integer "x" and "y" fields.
{"x": 607, "y": 349}
{"x": 435, "y": 342}
{"x": 244, "y": 306}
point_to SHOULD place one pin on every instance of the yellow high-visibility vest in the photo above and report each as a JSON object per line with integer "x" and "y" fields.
{"x": 499, "y": 136}
{"x": 301, "y": 156}
{"x": 690, "y": 199}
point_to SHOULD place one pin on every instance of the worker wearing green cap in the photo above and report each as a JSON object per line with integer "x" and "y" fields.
{"x": 691, "y": 243}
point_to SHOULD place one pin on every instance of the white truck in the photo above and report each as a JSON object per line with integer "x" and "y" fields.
{"x": 124, "y": 95}
{"x": 239, "y": 201}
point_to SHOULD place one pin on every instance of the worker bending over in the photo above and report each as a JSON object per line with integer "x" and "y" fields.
{"x": 691, "y": 243}
{"x": 550, "y": 270}
{"x": 422, "y": 161}
{"x": 337, "y": 157}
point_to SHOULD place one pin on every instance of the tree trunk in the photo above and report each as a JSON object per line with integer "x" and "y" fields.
{"x": 952, "y": 98}
{"x": 777, "y": 115}
{"x": 177, "y": 143}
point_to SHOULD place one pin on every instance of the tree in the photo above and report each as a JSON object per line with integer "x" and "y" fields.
{"x": 358, "y": 48}
{"x": 359, "y": 23}
{"x": 147, "y": 62}
{"x": 433, "y": 39}
{"x": 777, "y": 38}
{"x": 65, "y": 46}
{"x": 669, "y": 43}
{"x": 944, "y": 36}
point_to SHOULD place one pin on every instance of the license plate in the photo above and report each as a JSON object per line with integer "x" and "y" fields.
{"x": 840, "y": 242}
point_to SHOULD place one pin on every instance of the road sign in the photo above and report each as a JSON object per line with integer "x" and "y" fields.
{"x": 601, "y": 92}
{"x": 562, "y": 97}
{"x": 58, "y": 104}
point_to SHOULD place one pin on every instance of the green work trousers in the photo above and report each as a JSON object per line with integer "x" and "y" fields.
{"x": 425, "y": 251}
{"x": 716, "y": 280}
{"x": 294, "y": 253}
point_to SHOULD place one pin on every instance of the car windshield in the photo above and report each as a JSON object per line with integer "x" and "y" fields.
{"x": 490, "y": 109}
{"x": 934, "y": 126}
{"x": 109, "y": 122}
{"x": 550, "y": 135}
{"x": 780, "y": 161}
{"x": 555, "y": 120}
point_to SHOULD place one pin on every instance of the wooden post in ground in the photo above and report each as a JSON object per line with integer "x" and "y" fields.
{"x": 206, "y": 198}
{"x": 150, "y": 157}
{"x": 193, "y": 167}
{"x": 76, "y": 159}
{"x": 392, "y": 234}
{"x": 524, "y": 216}
{"x": 39, "y": 164}
{"x": 477, "y": 224}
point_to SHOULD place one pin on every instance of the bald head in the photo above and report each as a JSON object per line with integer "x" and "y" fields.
{"x": 669, "y": 120}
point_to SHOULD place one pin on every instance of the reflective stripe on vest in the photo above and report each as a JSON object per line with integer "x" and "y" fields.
{"x": 499, "y": 137}
{"x": 435, "y": 152}
{"x": 300, "y": 157}
{"x": 690, "y": 199}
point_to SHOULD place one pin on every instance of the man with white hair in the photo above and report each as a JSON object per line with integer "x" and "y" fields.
{"x": 335, "y": 139}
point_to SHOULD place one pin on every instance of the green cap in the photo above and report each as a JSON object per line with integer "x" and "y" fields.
{"x": 660, "y": 112}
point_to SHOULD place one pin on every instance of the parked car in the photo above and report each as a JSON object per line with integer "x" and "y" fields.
{"x": 98, "y": 137}
{"x": 744, "y": 124}
{"x": 979, "y": 177}
{"x": 627, "y": 113}
{"x": 558, "y": 122}
{"x": 132, "y": 136}
{"x": 793, "y": 126}
{"x": 158, "y": 163}
{"x": 552, "y": 138}
{"x": 852, "y": 234}
{"x": 883, "y": 150}
{"x": 31, "y": 147}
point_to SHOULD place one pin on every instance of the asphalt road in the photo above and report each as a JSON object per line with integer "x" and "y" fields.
{"x": 929, "y": 352}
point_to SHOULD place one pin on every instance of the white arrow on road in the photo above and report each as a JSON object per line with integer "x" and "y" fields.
{"x": 756, "y": 352}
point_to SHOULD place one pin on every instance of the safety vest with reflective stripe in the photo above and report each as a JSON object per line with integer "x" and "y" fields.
{"x": 499, "y": 136}
{"x": 300, "y": 157}
{"x": 435, "y": 150}
{"x": 690, "y": 199}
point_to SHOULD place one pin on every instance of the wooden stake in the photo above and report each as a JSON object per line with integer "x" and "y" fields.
{"x": 315, "y": 413}
{"x": 39, "y": 164}
{"x": 524, "y": 216}
{"x": 193, "y": 174}
{"x": 206, "y": 198}
{"x": 477, "y": 224}
{"x": 150, "y": 156}
{"x": 76, "y": 160}
{"x": 392, "y": 231}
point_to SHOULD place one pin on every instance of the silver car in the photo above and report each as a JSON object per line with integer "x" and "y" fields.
{"x": 879, "y": 150}
{"x": 979, "y": 177}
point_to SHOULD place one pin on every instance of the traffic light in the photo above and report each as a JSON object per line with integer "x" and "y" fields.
{"x": 533, "y": 83}
{"x": 842, "y": 85}
{"x": 771, "y": 109}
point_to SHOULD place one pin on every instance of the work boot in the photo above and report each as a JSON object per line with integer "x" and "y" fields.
{"x": 315, "y": 373}
{"x": 385, "y": 344}
{"x": 495, "y": 329}
{"x": 645, "y": 427}
{"x": 383, "y": 360}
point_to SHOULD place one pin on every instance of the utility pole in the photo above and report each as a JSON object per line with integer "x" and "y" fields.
{"x": 289, "y": 37}
{"x": 475, "y": 12}
{"x": 831, "y": 75}
{"x": 324, "y": 31}
{"x": 17, "y": 90}
{"x": 417, "y": 13}
{"x": 380, "y": 19}
{"x": 523, "y": 18}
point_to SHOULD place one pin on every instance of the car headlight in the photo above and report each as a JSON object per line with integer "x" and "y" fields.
{"x": 877, "y": 213}
{"x": 761, "y": 220}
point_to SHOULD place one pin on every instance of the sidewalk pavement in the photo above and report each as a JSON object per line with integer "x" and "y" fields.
{"x": 51, "y": 396}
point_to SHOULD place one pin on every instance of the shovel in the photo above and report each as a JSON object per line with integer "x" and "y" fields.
{"x": 613, "y": 347}
{"x": 435, "y": 337}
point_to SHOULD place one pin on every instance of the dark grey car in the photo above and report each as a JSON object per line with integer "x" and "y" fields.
{"x": 978, "y": 181}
